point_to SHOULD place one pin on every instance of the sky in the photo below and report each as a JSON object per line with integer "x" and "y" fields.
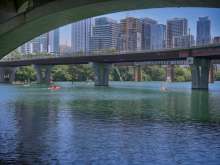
{"x": 161, "y": 15}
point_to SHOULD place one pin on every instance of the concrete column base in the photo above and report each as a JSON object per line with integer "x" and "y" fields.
{"x": 101, "y": 73}
{"x": 200, "y": 73}
{"x": 137, "y": 73}
{"x": 43, "y": 73}
{"x": 170, "y": 73}
{"x": 212, "y": 73}
{"x": 7, "y": 74}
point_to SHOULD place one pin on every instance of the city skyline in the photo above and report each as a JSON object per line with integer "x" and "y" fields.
{"x": 161, "y": 15}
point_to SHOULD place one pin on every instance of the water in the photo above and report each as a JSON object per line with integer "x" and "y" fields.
{"x": 128, "y": 123}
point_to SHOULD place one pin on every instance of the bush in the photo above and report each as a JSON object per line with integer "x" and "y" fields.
{"x": 25, "y": 73}
{"x": 182, "y": 74}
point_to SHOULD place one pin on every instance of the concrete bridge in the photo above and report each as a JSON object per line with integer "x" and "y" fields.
{"x": 22, "y": 20}
{"x": 198, "y": 57}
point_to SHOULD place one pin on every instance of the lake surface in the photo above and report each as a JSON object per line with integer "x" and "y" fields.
{"x": 127, "y": 123}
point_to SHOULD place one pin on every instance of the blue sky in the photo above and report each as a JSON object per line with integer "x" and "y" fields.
{"x": 161, "y": 15}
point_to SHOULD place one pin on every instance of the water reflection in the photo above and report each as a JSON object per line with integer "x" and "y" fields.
{"x": 200, "y": 106}
{"x": 117, "y": 125}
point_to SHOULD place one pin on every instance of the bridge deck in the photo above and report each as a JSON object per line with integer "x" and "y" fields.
{"x": 211, "y": 52}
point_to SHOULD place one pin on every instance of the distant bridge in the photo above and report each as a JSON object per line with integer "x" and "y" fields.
{"x": 211, "y": 52}
{"x": 200, "y": 59}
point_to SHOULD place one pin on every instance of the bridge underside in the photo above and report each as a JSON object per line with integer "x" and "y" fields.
{"x": 22, "y": 20}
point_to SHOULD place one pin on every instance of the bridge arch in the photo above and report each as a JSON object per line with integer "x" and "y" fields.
{"x": 44, "y": 16}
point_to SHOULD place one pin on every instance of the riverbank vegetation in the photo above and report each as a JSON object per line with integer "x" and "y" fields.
{"x": 117, "y": 73}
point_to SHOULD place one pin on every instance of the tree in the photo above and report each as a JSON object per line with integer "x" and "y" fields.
{"x": 60, "y": 73}
{"x": 182, "y": 74}
{"x": 154, "y": 73}
{"x": 25, "y": 73}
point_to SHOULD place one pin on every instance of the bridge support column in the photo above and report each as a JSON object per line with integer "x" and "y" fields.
{"x": 170, "y": 73}
{"x": 7, "y": 74}
{"x": 212, "y": 71}
{"x": 101, "y": 73}
{"x": 137, "y": 73}
{"x": 43, "y": 73}
{"x": 200, "y": 73}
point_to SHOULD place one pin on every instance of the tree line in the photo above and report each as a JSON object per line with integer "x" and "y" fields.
{"x": 85, "y": 72}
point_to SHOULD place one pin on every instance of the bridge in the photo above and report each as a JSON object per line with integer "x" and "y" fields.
{"x": 22, "y": 20}
{"x": 198, "y": 57}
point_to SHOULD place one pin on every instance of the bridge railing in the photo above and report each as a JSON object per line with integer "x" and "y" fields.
{"x": 92, "y": 53}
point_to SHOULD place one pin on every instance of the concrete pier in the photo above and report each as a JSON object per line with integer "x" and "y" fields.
{"x": 200, "y": 73}
{"x": 43, "y": 73}
{"x": 137, "y": 73}
{"x": 101, "y": 73}
{"x": 212, "y": 71}
{"x": 170, "y": 73}
{"x": 7, "y": 74}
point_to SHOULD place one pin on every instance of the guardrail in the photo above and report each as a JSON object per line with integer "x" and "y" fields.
{"x": 96, "y": 53}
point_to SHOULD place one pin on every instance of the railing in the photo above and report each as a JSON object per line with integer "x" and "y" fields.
{"x": 94, "y": 53}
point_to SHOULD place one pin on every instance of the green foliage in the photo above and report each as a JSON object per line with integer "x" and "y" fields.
{"x": 26, "y": 73}
{"x": 117, "y": 73}
{"x": 72, "y": 73}
{"x": 60, "y": 73}
{"x": 182, "y": 74}
{"x": 121, "y": 74}
{"x": 154, "y": 73}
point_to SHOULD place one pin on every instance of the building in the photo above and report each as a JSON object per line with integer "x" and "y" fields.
{"x": 185, "y": 41}
{"x": 157, "y": 36}
{"x": 36, "y": 45}
{"x": 81, "y": 35}
{"x": 216, "y": 40}
{"x": 146, "y": 32}
{"x": 54, "y": 41}
{"x": 65, "y": 49}
{"x": 203, "y": 36}
{"x": 130, "y": 34}
{"x": 175, "y": 27}
{"x": 25, "y": 48}
{"x": 105, "y": 34}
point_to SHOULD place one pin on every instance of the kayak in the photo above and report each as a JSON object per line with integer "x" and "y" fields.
{"x": 54, "y": 87}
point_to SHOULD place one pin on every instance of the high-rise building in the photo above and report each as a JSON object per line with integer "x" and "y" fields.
{"x": 36, "y": 45}
{"x": 130, "y": 34}
{"x": 216, "y": 40}
{"x": 185, "y": 41}
{"x": 175, "y": 27}
{"x": 157, "y": 36}
{"x": 54, "y": 41}
{"x": 25, "y": 48}
{"x": 81, "y": 35}
{"x": 203, "y": 36}
{"x": 105, "y": 34}
{"x": 146, "y": 32}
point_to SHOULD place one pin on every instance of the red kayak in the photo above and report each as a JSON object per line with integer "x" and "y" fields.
{"x": 54, "y": 87}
